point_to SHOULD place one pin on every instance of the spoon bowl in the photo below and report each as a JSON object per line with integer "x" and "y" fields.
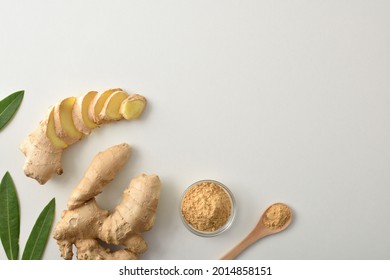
{"x": 261, "y": 230}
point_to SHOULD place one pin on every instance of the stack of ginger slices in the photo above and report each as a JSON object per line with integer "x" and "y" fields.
{"x": 74, "y": 117}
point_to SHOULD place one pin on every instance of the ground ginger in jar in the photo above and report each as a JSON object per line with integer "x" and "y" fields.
{"x": 207, "y": 207}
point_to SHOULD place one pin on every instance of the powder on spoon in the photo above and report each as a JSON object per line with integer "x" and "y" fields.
{"x": 277, "y": 216}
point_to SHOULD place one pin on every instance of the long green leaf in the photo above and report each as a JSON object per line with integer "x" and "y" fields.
{"x": 9, "y": 217}
{"x": 9, "y": 106}
{"x": 37, "y": 240}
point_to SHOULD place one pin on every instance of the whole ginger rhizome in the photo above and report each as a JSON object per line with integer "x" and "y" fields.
{"x": 84, "y": 224}
{"x": 206, "y": 206}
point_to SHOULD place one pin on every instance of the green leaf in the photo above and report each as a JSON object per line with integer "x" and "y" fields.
{"x": 9, "y": 217}
{"x": 37, "y": 240}
{"x": 9, "y": 106}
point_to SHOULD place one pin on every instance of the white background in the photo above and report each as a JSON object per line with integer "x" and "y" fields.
{"x": 279, "y": 100}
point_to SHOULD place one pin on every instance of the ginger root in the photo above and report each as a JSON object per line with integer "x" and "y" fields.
{"x": 85, "y": 225}
{"x": 68, "y": 122}
{"x": 44, "y": 155}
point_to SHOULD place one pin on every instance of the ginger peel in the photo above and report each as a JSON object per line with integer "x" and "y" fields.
{"x": 69, "y": 121}
{"x": 84, "y": 224}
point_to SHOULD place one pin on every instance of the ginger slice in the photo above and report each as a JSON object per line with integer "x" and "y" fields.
{"x": 63, "y": 121}
{"x": 110, "y": 111}
{"x": 51, "y": 132}
{"x": 133, "y": 106}
{"x": 81, "y": 118}
{"x": 97, "y": 104}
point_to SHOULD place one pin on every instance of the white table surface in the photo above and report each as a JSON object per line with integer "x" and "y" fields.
{"x": 279, "y": 100}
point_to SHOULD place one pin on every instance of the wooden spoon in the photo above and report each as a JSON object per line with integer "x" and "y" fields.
{"x": 260, "y": 231}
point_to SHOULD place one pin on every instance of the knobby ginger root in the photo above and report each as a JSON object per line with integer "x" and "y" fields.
{"x": 85, "y": 224}
{"x": 101, "y": 171}
{"x": 68, "y": 122}
{"x": 43, "y": 155}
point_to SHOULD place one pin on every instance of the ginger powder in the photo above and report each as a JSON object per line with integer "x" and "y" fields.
{"x": 277, "y": 216}
{"x": 206, "y": 206}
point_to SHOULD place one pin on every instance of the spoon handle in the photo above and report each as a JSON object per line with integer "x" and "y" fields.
{"x": 245, "y": 243}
